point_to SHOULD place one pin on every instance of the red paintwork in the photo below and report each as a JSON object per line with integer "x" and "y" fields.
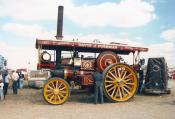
{"x": 47, "y": 66}
{"x": 87, "y": 64}
{"x": 87, "y": 80}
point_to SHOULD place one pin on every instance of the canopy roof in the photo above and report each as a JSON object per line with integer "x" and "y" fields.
{"x": 87, "y": 47}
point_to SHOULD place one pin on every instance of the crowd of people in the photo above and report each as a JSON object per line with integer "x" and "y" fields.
{"x": 5, "y": 77}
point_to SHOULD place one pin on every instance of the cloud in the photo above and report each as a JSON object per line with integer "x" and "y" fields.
{"x": 29, "y": 10}
{"x": 165, "y": 50}
{"x": 29, "y": 31}
{"x": 168, "y": 35}
{"x": 126, "y": 13}
{"x": 19, "y": 57}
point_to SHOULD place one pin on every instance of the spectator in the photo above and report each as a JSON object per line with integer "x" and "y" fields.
{"x": 142, "y": 73}
{"x": 1, "y": 88}
{"x": 20, "y": 80}
{"x": 6, "y": 81}
{"x": 98, "y": 80}
{"x": 15, "y": 79}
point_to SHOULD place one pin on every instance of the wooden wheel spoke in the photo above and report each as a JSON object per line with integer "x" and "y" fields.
{"x": 56, "y": 84}
{"x": 63, "y": 92}
{"x": 110, "y": 77}
{"x": 62, "y": 88}
{"x": 117, "y": 92}
{"x": 52, "y": 97}
{"x": 115, "y": 70}
{"x": 50, "y": 94}
{"x": 55, "y": 98}
{"x": 60, "y": 85}
{"x": 109, "y": 81}
{"x": 127, "y": 86}
{"x": 126, "y": 90}
{"x": 109, "y": 85}
{"x": 123, "y": 93}
{"x": 128, "y": 76}
{"x": 119, "y": 75}
{"x": 49, "y": 87}
{"x": 52, "y": 84}
{"x": 129, "y": 83}
{"x": 48, "y": 90}
{"x": 111, "y": 89}
{"x": 61, "y": 95}
{"x": 113, "y": 92}
{"x": 58, "y": 97}
{"x": 129, "y": 79}
{"x": 113, "y": 75}
{"x": 120, "y": 94}
{"x": 123, "y": 77}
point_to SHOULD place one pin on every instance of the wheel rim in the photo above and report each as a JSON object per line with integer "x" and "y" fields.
{"x": 120, "y": 82}
{"x": 56, "y": 91}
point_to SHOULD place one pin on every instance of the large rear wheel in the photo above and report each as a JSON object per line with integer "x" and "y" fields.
{"x": 56, "y": 91}
{"x": 120, "y": 82}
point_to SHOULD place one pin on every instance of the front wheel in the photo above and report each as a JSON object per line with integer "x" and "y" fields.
{"x": 56, "y": 91}
{"x": 120, "y": 82}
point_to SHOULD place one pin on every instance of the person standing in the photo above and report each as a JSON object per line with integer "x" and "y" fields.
{"x": 5, "y": 77}
{"x": 141, "y": 76}
{"x": 1, "y": 88}
{"x": 15, "y": 78}
{"x": 21, "y": 80}
{"x": 98, "y": 82}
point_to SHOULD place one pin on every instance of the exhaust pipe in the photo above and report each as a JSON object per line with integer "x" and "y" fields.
{"x": 59, "y": 35}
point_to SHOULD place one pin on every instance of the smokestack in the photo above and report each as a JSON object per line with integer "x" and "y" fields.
{"x": 60, "y": 23}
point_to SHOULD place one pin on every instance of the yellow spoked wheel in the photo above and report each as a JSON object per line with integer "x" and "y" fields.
{"x": 120, "y": 82}
{"x": 56, "y": 91}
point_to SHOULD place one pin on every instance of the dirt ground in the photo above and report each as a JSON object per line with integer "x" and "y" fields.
{"x": 29, "y": 104}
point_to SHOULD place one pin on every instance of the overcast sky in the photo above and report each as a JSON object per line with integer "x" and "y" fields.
{"x": 146, "y": 23}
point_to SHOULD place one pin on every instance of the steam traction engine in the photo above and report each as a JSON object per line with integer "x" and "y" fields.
{"x": 119, "y": 79}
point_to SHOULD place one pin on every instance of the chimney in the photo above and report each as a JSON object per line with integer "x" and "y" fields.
{"x": 60, "y": 23}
